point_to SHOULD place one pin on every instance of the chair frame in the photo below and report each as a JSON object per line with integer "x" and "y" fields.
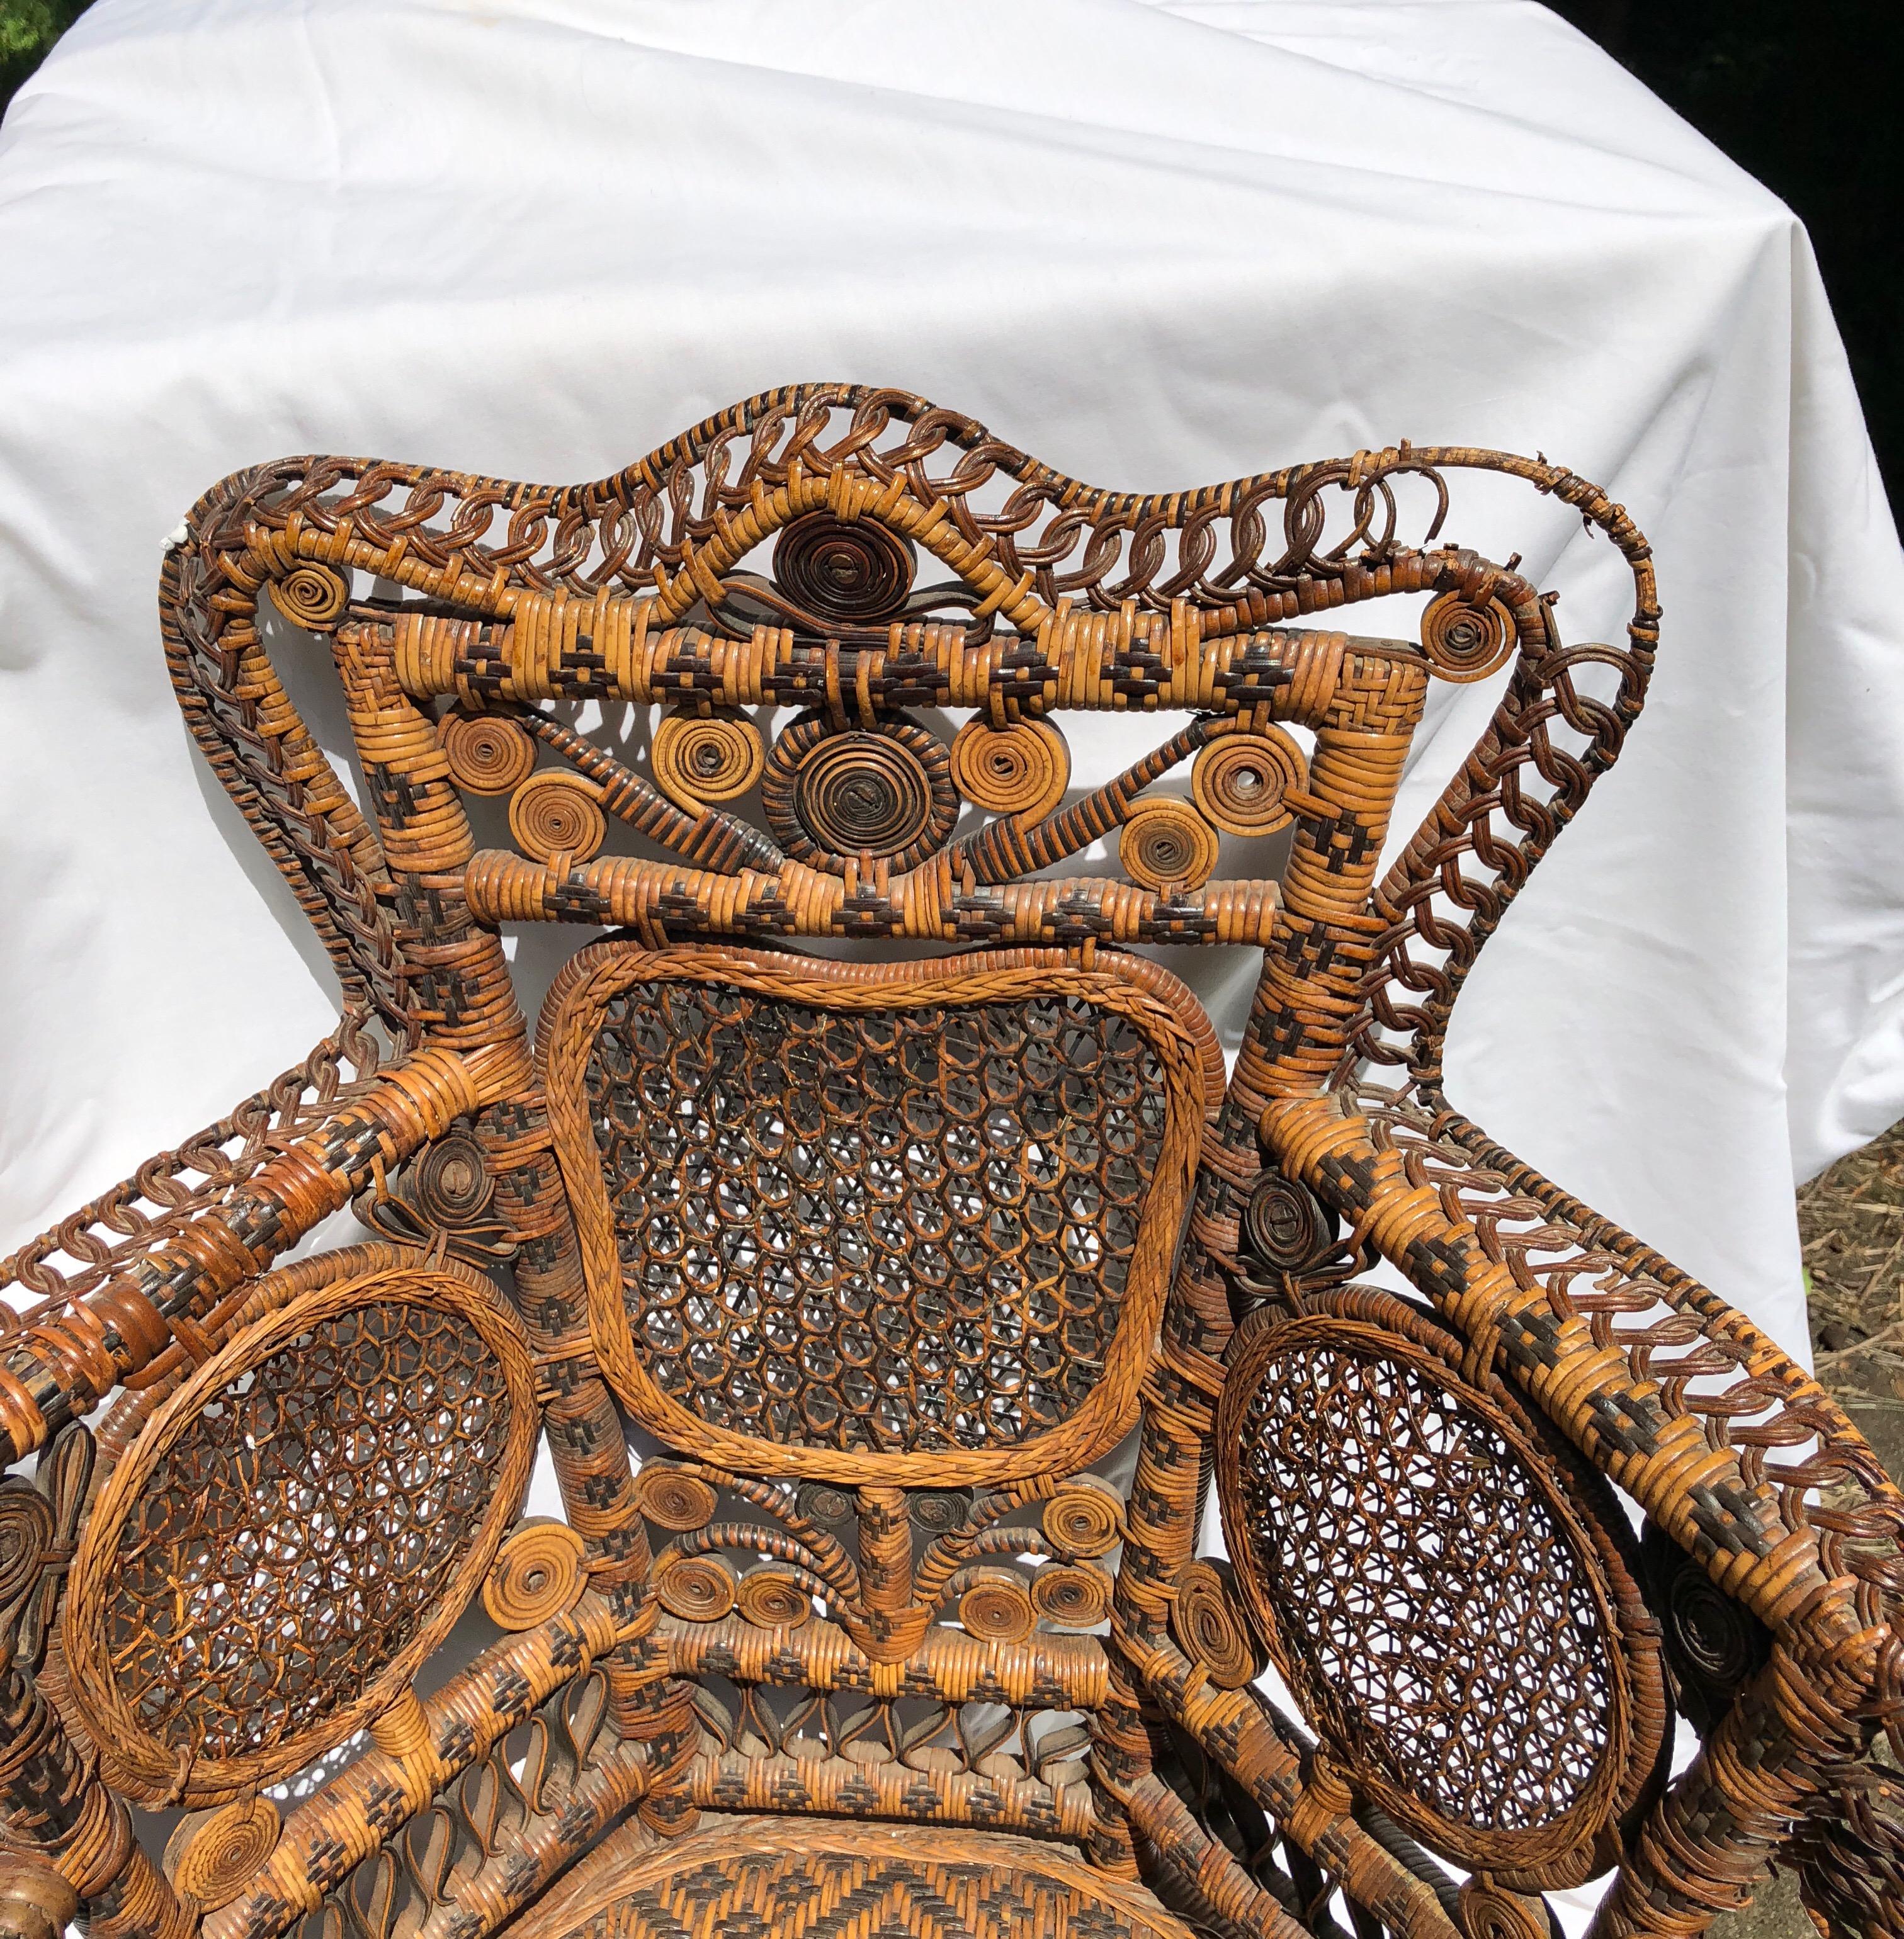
{"x": 1766, "y": 1589}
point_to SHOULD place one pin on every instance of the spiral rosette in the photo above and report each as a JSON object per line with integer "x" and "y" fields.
{"x": 1239, "y": 781}
{"x": 1285, "y": 1226}
{"x": 672, "y": 1499}
{"x": 488, "y": 753}
{"x": 539, "y": 1571}
{"x": 451, "y": 1180}
{"x": 211, "y": 1856}
{"x": 1208, "y": 1622}
{"x": 852, "y": 572}
{"x": 771, "y": 1598}
{"x": 1021, "y": 769}
{"x": 554, "y": 813}
{"x": 697, "y": 759}
{"x": 1071, "y": 1595}
{"x": 1714, "y": 1644}
{"x": 697, "y": 1588}
{"x": 886, "y": 791}
{"x": 1466, "y": 641}
{"x": 1166, "y": 845}
{"x": 294, "y": 1530}
{"x": 1085, "y": 1518}
{"x": 27, "y": 1537}
{"x": 311, "y": 596}
{"x": 997, "y": 1607}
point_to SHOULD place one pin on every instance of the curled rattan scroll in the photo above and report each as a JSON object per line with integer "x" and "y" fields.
{"x": 772, "y": 1598}
{"x": 852, "y": 572}
{"x": 1487, "y": 1911}
{"x": 698, "y": 1588}
{"x": 885, "y": 792}
{"x": 311, "y": 596}
{"x": 1167, "y": 844}
{"x": 1071, "y": 1595}
{"x": 451, "y": 1179}
{"x": 998, "y": 1607}
{"x": 213, "y": 1855}
{"x": 1239, "y": 781}
{"x": 1466, "y": 641}
{"x": 295, "y": 1530}
{"x": 1285, "y": 1226}
{"x": 554, "y": 813}
{"x": 1021, "y": 769}
{"x": 539, "y": 1571}
{"x": 672, "y": 1500}
{"x": 488, "y": 753}
{"x": 698, "y": 759}
{"x": 27, "y": 1537}
{"x": 1479, "y": 1686}
{"x": 1210, "y": 1626}
{"x": 1085, "y": 1517}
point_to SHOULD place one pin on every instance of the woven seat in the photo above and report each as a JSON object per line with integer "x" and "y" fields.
{"x": 766, "y": 1875}
{"x": 887, "y": 1321}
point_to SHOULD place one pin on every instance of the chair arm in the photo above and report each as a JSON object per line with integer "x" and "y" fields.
{"x": 75, "y": 1347}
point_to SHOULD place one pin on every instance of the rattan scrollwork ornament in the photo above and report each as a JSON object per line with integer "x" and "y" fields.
{"x": 488, "y": 753}
{"x": 702, "y": 758}
{"x": 557, "y": 813}
{"x": 312, "y": 596}
{"x": 998, "y": 1607}
{"x": 830, "y": 796}
{"x": 672, "y": 1500}
{"x": 772, "y": 1598}
{"x": 854, "y": 573}
{"x": 212, "y": 1855}
{"x": 1022, "y": 768}
{"x": 1240, "y": 781}
{"x": 1209, "y": 1622}
{"x": 1071, "y": 1595}
{"x": 699, "y": 1588}
{"x": 1467, "y": 639}
{"x": 1166, "y": 845}
{"x": 540, "y": 1570}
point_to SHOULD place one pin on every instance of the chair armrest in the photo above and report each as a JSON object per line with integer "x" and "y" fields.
{"x": 127, "y": 1302}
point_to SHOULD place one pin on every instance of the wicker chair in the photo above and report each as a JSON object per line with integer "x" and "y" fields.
{"x": 935, "y": 1295}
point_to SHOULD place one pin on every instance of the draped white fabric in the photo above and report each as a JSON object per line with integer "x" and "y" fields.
{"x": 1157, "y": 246}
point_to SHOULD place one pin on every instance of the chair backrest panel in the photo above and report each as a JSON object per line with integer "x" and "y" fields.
{"x": 902, "y": 1223}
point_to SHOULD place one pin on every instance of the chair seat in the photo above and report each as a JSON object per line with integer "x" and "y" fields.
{"x": 758, "y": 1878}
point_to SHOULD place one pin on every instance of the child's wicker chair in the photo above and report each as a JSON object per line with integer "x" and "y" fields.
{"x": 897, "y": 1626}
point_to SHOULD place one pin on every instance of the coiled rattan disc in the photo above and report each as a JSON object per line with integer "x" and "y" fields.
{"x": 885, "y": 792}
{"x": 1466, "y": 641}
{"x": 696, "y": 760}
{"x": 555, "y": 813}
{"x": 1239, "y": 781}
{"x": 488, "y": 753}
{"x": 213, "y": 1855}
{"x": 1167, "y": 844}
{"x": 310, "y": 595}
{"x": 539, "y": 1571}
{"x": 1022, "y": 769}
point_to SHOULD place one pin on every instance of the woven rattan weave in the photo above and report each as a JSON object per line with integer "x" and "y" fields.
{"x": 888, "y": 1326}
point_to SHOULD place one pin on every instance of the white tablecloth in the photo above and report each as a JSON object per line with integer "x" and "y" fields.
{"x": 1157, "y": 246}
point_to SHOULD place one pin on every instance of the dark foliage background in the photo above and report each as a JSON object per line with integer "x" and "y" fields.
{"x": 1805, "y": 97}
{"x": 1800, "y": 95}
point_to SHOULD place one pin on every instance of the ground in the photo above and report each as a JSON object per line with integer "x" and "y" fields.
{"x": 1852, "y": 1221}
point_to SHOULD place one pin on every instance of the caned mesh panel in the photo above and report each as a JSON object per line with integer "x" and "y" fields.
{"x": 891, "y": 1230}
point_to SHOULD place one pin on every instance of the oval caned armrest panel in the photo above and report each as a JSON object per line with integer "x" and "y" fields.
{"x": 911, "y": 1219}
